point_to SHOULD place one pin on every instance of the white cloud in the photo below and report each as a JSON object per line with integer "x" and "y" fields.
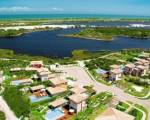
{"x": 57, "y": 9}
{"x": 14, "y": 9}
{"x": 27, "y": 9}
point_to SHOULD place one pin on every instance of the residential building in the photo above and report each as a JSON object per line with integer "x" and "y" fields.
{"x": 114, "y": 114}
{"x": 78, "y": 102}
{"x": 115, "y": 74}
{"x": 78, "y": 90}
{"x": 36, "y": 64}
{"x": 58, "y": 82}
{"x": 55, "y": 90}
{"x": 37, "y": 88}
{"x": 128, "y": 69}
{"x": 58, "y": 103}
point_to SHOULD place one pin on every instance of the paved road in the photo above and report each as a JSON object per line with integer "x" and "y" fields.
{"x": 4, "y": 107}
{"x": 84, "y": 79}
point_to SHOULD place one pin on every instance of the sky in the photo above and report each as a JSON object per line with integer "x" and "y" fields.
{"x": 120, "y": 7}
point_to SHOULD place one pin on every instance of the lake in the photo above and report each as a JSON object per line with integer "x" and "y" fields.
{"x": 51, "y": 44}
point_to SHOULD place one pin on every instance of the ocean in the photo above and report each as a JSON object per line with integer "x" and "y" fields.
{"x": 63, "y": 16}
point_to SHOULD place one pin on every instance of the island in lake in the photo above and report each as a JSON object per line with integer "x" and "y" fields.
{"x": 108, "y": 33}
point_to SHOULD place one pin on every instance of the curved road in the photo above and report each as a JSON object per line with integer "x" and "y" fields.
{"x": 84, "y": 79}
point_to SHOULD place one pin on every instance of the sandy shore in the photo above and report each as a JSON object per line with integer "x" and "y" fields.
{"x": 38, "y": 26}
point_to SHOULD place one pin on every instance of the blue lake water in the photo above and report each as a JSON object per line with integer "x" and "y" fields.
{"x": 50, "y": 43}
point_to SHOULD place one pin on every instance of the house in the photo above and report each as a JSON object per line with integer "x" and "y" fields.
{"x": 55, "y": 90}
{"x": 78, "y": 90}
{"x": 43, "y": 73}
{"x": 37, "y": 88}
{"x": 78, "y": 102}
{"x": 142, "y": 70}
{"x": 36, "y": 64}
{"x": 114, "y": 114}
{"x": 115, "y": 74}
{"x": 128, "y": 69}
{"x": 58, "y": 82}
{"x": 58, "y": 103}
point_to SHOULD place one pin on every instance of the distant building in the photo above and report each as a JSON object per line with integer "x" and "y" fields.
{"x": 56, "y": 67}
{"x": 114, "y": 114}
{"x": 36, "y": 64}
{"x": 78, "y": 102}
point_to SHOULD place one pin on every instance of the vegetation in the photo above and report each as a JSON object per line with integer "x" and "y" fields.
{"x": 102, "y": 63}
{"x": 84, "y": 54}
{"x": 2, "y": 116}
{"x": 18, "y": 102}
{"x": 108, "y": 33}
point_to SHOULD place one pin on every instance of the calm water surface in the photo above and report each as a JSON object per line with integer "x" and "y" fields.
{"x": 49, "y": 43}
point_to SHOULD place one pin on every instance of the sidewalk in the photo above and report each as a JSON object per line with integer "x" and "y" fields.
{"x": 4, "y": 107}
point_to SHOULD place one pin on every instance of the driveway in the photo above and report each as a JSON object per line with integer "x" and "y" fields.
{"x": 84, "y": 79}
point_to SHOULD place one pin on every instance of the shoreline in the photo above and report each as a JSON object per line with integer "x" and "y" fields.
{"x": 37, "y": 27}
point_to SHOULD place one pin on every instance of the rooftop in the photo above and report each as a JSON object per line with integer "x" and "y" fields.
{"x": 77, "y": 98}
{"x": 36, "y": 62}
{"x": 58, "y": 102}
{"x": 55, "y": 90}
{"x": 114, "y": 114}
{"x": 115, "y": 66}
{"x": 130, "y": 65}
{"x": 78, "y": 90}
{"x": 141, "y": 67}
{"x": 37, "y": 87}
{"x": 57, "y": 81}
{"x": 116, "y": 71}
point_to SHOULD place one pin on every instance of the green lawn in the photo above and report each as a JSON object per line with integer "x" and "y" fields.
{"x": 2, "y": 116}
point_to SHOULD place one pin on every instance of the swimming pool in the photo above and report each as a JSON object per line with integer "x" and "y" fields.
{"x": 34, "y": 99}
{"x": 54, "y": 114}
{"x": 16, "y": 82}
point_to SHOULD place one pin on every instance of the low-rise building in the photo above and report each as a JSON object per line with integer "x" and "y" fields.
{"x": 115, "y": 74}
{"x": 37, "y": 88}
{"x": 78, "y": 90}
{"x": 58, "y": 103}
{"x": 142, "y": 70}
{"x": 36, "y": 64}
{"x": 78, "y": 102}
{"x": 129, "y": 68}
{"x": 55, "y": 90}
{"x": 114, "y": 114}
{"x": 58, "y": 82}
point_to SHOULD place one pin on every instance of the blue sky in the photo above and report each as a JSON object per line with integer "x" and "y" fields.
{"x": 121, "y": 7}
